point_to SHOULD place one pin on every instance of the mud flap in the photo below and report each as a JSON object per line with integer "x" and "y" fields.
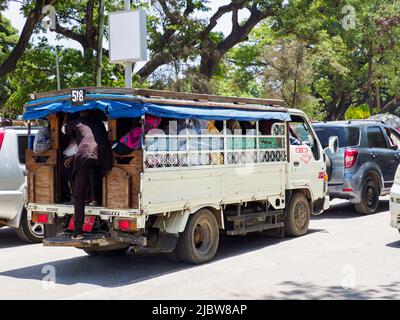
{"x": 166, "y": 242}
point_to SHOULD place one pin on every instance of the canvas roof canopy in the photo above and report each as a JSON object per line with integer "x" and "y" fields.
{"x": 126, "y": 105}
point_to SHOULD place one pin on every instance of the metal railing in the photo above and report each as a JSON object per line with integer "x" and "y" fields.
{"x": 221, "y": 149}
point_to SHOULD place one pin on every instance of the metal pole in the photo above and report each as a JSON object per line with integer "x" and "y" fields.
{"x": 99, "y": 56}
{"x": 128, "y": 65}
{"x": 58, "y": 70}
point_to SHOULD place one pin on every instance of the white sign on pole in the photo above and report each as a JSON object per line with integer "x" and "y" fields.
{"x": 128, "y": 36}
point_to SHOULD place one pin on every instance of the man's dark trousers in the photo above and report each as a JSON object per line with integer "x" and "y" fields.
{"x": 85, "y": 176}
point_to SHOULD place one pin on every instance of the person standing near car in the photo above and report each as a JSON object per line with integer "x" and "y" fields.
{"x": 90, "y": 163}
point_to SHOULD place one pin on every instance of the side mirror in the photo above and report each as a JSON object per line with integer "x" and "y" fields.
{"x": 333, "y": 144}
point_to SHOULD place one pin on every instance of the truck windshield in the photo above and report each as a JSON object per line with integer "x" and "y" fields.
{"x": 348, "y": 136}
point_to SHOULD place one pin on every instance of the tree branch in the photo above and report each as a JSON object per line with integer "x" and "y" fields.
{"x": 71, "y": 35}
{"x": 32, "y": 19}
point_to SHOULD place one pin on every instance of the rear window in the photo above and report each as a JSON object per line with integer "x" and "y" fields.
{"x": 348, "y": 136}
{"x": 22, "y": 146}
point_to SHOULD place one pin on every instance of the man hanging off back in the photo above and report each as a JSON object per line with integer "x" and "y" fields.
{"x": 90, "y": 163}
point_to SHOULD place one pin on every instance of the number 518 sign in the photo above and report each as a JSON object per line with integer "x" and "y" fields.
{"x": 78, "y": 97}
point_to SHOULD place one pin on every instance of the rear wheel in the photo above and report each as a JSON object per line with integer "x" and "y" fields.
{"x": 199, "y": 242}
{"x": 297, "y": 216}
{"x": 370, "y": 193}
{"x": 30, "y": 231}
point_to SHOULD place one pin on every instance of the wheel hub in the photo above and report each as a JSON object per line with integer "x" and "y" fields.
{"x": 37, "y": 229}
{"x": 300, "y": 215}
{"x": 202, "y": 239}
{"x": 371, "y": 197}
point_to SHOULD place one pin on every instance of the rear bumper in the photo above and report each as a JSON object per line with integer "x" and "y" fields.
{"x": 61, "y": 210}
{"x": 96, "y": 241}
{"x": 348, "y": 190}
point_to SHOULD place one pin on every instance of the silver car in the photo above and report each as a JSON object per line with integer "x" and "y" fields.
{"x": 13, "y": 143}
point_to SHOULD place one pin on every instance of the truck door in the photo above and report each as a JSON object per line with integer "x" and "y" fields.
{"x": 306, "y": 166}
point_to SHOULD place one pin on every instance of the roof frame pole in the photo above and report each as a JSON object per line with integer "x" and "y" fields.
{"x": 225, "y": 144}
{"x": 258, "y": 140}
{"x": 128, "y": 65}
{"x": 187, "y": 142}
{"x": 143, "y": 140}
{"x": 30, "y": 147}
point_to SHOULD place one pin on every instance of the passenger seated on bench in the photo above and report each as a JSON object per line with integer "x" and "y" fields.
{"x": 215, "y": 144}
{"x": 233, "y": 127}
{"x": 133, "y": 139}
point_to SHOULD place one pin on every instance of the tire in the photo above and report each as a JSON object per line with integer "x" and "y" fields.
{"x": 199, "y": 242}
{"x": 29, "y": 231}
{"x": 328, "y": 167}
{"x": 174, "y": 256}
{"x": 297, "y": 218}
{"x": 107, "y": 253}
{"x": 370, "y": 193}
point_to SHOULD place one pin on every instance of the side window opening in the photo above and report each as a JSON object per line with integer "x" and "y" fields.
{"x": 300, "y": 133}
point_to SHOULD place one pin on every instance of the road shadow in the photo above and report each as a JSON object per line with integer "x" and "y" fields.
{"x": 9, "y": 239}
{"x": 293, "y": 290}
{"x": 394, "y": 244}
{"x": 137, "y": 267}
{"x": 346, "y": 210}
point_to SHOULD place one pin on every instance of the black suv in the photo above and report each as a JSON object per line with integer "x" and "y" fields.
{"x": 366, "y": 161}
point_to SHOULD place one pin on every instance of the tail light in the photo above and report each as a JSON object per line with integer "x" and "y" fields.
{"x": 2, "y": 135}
{"x": 350, "y": 158}
{"x": 125, "y": 225}
{"x": 38, "y": 217}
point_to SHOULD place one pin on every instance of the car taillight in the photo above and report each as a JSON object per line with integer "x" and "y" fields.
{"x": 350, "y": 158}
{"x": 44, "y": 218}
{"x": 2, "y": 135}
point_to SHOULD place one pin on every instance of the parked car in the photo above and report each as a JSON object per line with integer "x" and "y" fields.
{"x": 395, "y": 201}
{"x": 13, "y": 143}
{"x": 365, "y": 164}
{"x": 388, "y": 118}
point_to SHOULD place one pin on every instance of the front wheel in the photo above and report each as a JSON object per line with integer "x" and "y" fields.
{"x": 30, "y": 231}
{"x": 199, "y": 242}
{"x": 370, "y": 193}
{"x": 297, "y": 216}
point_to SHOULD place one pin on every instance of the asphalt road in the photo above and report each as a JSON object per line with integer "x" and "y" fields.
{"x": 344, "y": 256}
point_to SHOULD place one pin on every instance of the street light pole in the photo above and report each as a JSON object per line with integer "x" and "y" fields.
{"x": 128, "y": 65}
{"x": 58, "y": 70}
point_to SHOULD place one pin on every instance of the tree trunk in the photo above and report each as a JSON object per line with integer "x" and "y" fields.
{"x": 99, "y": 56}
{"x": 33, "y": 18}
